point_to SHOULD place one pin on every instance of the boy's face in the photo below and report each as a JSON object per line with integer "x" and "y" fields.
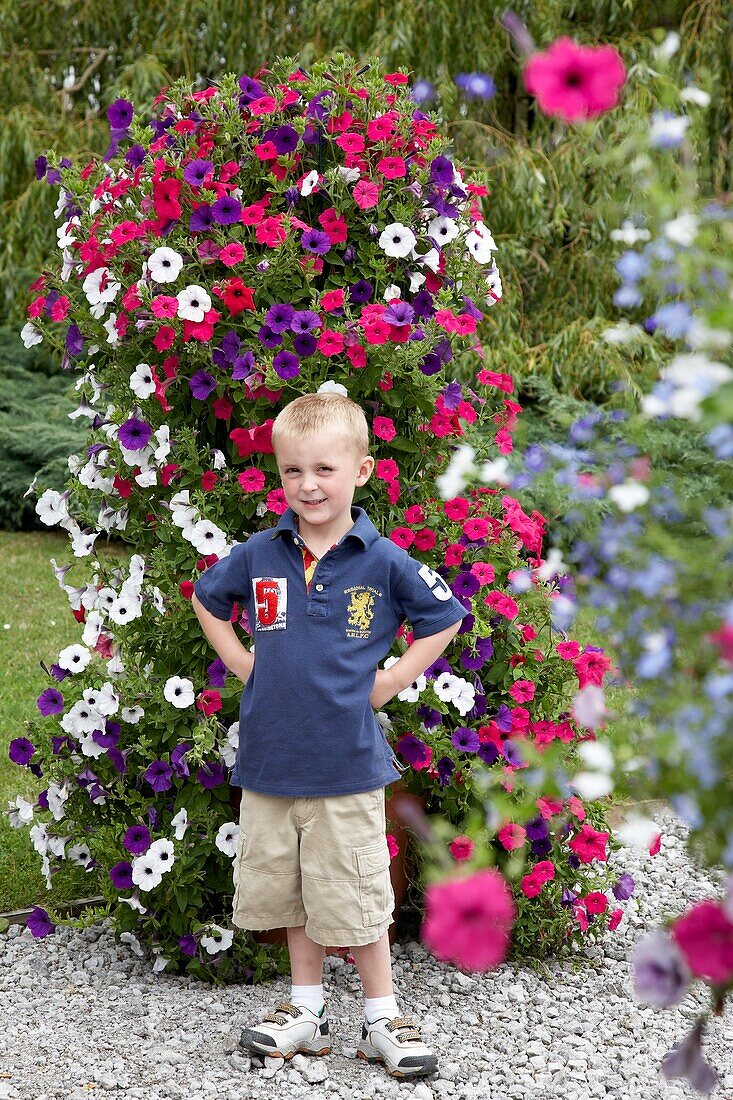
{"x": 319, "y": 476}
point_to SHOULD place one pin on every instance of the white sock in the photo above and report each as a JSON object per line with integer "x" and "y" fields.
{"x": 308, "y": 996}
{"x": 377, "y": 1007}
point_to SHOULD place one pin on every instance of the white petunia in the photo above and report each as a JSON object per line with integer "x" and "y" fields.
{"x": 308, "y": 182}
{"x": 20, "y": 812}
{"x": 163, "y": 438}
{"x": 74, "y": 658}
{"x": 629, "y": 233}
{"x": 100, "y": 287}
{"x": 480, "y": 243}
{"x": 596, "y": 755}
{"x": 207, "y": 537}
{"x": 451, "y": 482}
{"x": 65, "y": 235}
{"x": 193, "y": 303}
{"x": 411, "y": 693}
{"x": 135, "y": 904}
{"x": 682, "y": 230}
{"x": 443, "y": 230}
{"x": 621, "y": 333}
{"x": 455, "y": 690}
{"x": 82, "y": 542}
{"x": 629, "y": 495}
{"x": 496, "y": 470}
{"x": 180, "y": 823}
{"x": 218, "y": 459}
{"x": 165, "y": 265}
{"x": 637, "y": 831}
{"x": 132, "y": 715}
{"x": 93, "y": 629}
{"x": 113, "y": 336}
{"x": 416, "y": 280}
{"x": 145, "y": 872}
{"x": 592, "y": 785}
{"x": 52, "y": 507}
{"x": 397, "y": 240}
{"x": 30, "y": 335}
{"x": 162, "y": 854}
{"x": 348, "y": 175}
{"x": 218, "y": 939}
{"x": 226, "y": 838}
{"x": 392, "y": 292}
{"x": 431, "y": 259}
{"x": 142, "y": 383}
{"x": 80, "y": 855}
{"x": 228, "y": 749}
{"x": 126, "y": 609}
{"x": 552, "y": 566}
{"x": 494, "y": 289}
{"x": 589, "y": 706}
{"x": 57, "y": 796}
{"x": 179, "y": 691}
{"x": 332, "y": 387}
{"x": 692, "y": 94}
{"x": 107, "y": 701}
{"x": 161, "y": 961}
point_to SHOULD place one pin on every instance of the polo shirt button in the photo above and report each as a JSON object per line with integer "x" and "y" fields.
{"x": 319, "y": 588}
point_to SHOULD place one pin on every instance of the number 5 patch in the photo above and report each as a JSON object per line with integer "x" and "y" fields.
{"x": 271, "y": 602}
{"x": 435, "y": 582}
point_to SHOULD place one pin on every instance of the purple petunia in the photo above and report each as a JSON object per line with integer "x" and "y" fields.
{"x": 624, "y": 888}
{"x": 211, "y": 775}
{"x": 217, "y": 672}
{"x": 21, "y": 751}
{"x": 134, "y": 434}
{"x": 226, "y": 210}
{"x": 159, "y": 775}
{"x": 196, "y": 172}
{"x": 74, "y": 341}
{"x": 537, "y": 828}
{"x": 243, "y": 366}
{"x": 314, "y": 240}
{"x": 305, "y": 320}
{"x": 279, "y": 317}
{"x": 50, "y": 701}
{"x": 135, "y": 155}
{"x": 227, "y": 350}
{"x": 429, "y": 717}
{"x": 361, "y": 292}
{"x": 286, "y": 365}
{"x": 512, "y": 754}
{"x": 399, "y": 313}
{"x": 284, "y": 138}
{"x": 305, "y": 344}
{"x": 465, "y": 739}
{"x": 503, "y": 718}
{"x": 541, "y": 847}
{"x": 441, "y": 172}
{"x": 268, "y": 338}
{"x": 251, "y": 89}
{"x": 108, "y": 737}
{"x": 445, "y": 767}
{"x": 121, "y": 875}
{"x": 39, "y": 923}
{"x": 413, "y": 749}
{"x": 438, "y": 666}
{"x": 178, "y": 759}
{"x": 118, "y": 759}
{"x": 423, "y": 305}
{"x": 136, "y": 840}
{"x": 465, "y": 585}
{"x": 120, "y": 114}
{"x": 201, "y": 219}
{"x": 452, "y": 395}
{"x": 201, "y": 385}
{"x": 488, "y": 753}
{"x": 187, "y": 945}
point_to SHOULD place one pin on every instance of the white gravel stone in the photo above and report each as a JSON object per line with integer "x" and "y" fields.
{"x": 88, "y": 1018}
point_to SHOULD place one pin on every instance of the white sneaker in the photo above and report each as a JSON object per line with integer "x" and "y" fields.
{"x": 288, "y": 1030}
{"x": 399, "y": 1045}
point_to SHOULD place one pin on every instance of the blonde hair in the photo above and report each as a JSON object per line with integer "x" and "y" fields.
{"x": 318, "y": 413}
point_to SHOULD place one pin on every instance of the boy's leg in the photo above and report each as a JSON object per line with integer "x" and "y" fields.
{"x": 374, "y": 963}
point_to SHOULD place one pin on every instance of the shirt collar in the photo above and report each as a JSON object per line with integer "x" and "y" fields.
{"x": 363, "y": 530}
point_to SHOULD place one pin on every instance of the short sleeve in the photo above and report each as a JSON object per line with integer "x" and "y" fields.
{"x": 424, "y": 598}
{"x": 225, "y": 583}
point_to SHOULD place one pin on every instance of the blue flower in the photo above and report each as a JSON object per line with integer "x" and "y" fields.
{"x": 476, "y": 85}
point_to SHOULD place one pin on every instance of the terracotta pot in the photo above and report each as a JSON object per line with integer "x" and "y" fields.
{"x": 399, "y": 868}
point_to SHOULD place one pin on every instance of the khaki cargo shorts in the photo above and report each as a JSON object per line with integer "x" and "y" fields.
{"x": 322, "y": 863}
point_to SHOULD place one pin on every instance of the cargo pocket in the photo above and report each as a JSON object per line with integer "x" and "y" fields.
{"x": 375, "y": 887}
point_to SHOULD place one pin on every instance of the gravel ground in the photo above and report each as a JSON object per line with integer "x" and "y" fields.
{"x": 83, "y": 1017}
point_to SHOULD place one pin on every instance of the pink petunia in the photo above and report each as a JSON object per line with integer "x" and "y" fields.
{"x": 595, "y": 902}
{"x": 590, "y": 844}
{"x": 414, "y": 514}
{"x": 531, "y": 885}
{"x": 615, "y": 919}
{"x": 502, "y": 604}
{"x": 568, "y": 650}
{"x": 331, "y": 342}
{"x": 393, "y": 846}
{"x": 454, "y": 554}
{"x": 402, "y": 536}
{"x": 461, "y": 848}
{"x": 704, "y": 935}
{"x": 251, "y": 480}
{"x": 544, "y": 871}
{"x": 276, "y": 502}
{"x": 386, "y": 469}
{"x": 484, "y": 572}
{"x": 232, "y": 254}
{"x": 457, "y": 508}
{"x": 512, "y": 836}
{"x": 522, "y": 690}
{"x": 366, "y": 194}
{"x": 468, "y": 921}
{"x": 164, "y": 305}
{"x": 383, "y": 428}
{"x": 575, "y": 82}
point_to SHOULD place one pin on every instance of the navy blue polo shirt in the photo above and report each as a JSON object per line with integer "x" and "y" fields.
{"x": 307, "y": 728}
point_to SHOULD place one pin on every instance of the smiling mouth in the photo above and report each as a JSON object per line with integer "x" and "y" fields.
{"x": 314, "y": 503}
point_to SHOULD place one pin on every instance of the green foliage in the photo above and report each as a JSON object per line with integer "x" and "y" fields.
{"x": 36, "y": 435}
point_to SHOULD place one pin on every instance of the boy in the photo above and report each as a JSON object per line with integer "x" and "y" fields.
{"x": 325, "y": 595}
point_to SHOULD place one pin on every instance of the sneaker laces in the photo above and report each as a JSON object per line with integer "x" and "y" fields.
{"x": 410, "y": 1032}
{"x": 280, "y": 1015}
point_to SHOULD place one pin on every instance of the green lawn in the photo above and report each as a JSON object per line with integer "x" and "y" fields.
{"x": 35, "y": 623}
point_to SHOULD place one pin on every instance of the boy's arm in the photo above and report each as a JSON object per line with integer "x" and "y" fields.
{"x": 413, "y": 662}
{"x": 222, "y": 637}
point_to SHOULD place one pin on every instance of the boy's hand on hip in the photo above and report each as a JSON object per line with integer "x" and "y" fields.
{"x": 384, "y": 688}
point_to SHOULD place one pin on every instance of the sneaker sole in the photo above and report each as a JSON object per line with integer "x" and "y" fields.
{"x": 368, "y": 1053}
{"x": 249, "y": 1042}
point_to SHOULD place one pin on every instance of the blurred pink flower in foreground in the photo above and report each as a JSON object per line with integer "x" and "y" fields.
{"x": 575, "y": 82}
{"x": 704, "y": 935}
{"x": 468, "y": 920}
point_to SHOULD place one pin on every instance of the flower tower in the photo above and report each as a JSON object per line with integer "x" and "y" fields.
{"x": 266, "y": 237}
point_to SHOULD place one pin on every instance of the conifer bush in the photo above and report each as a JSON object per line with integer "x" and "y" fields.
{"x": 264, "y": 237}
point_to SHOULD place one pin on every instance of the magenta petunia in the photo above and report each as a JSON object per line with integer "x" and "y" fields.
{"x": 575, "y": 82}
{"x": 468, "y": 921}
